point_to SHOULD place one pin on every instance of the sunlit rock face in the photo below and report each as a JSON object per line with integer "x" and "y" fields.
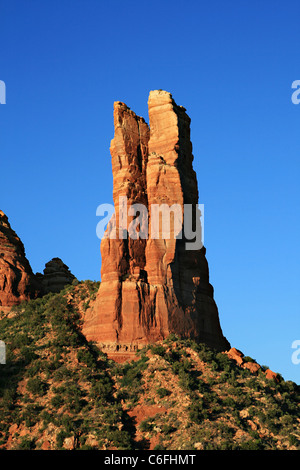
{"x": 17, "y": 281}
{"x": 152, "y": 286}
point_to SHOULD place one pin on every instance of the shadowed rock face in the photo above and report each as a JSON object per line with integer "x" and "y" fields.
{"x": 152, "y": 287}
{"x": 56, "y": 276}
{"x": 17, "y": 281}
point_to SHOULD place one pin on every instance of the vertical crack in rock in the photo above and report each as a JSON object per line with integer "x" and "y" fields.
{"x": 152, "y": 287}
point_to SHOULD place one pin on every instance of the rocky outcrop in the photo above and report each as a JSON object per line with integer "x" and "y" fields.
{"x": 152, "y": 285}
{"x": 246, "y": 362}
{"x": 272, "y": 375}
{"x": 236, "y": 356}
{"x": 56, "y": 276}
{"x": 17, "y": 281}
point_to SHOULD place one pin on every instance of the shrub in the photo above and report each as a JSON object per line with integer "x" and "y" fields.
{"x": 146, "y": 425}
{"x": 62, "y": 373}
{"x": 168, "y": 429}
{"x": 26, "y": 443}
{"x": 36, "y": 386}
{"x": 61, "y": 437}
{"x": 57, "y": 401}
{"x": 160, "y": 447}
{"x": 173, "y": 356}
{"x": 197, "y": 412}
{"x": 86, "y": 357}
{"x": 248, "y": 359}
{"x": 9, "y": 396}
{"x": 158, "y": 349}
{"x": 130, "y": 377}
{"x": 163, "y": 392}
{"x": 47, "y": 418}
{"x": 35, "y": 367}
{"x": 293, "y": 441}
{"x": 102, "y": 389}
{"x": 229, "y": 402}
{"x": 188, "y": 381}
{"x": 31, "y": 415}
{"x": 132, "y": 373}
{"x": 121, "y": 439}
{"x": 253, "y": 444}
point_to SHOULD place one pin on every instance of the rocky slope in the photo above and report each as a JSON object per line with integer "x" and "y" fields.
{"x": 58, "y": 391}
{"x": 152, "y": 285}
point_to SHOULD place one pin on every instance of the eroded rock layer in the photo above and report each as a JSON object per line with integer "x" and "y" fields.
{"x": 152, "y": 286}
{"x": 17, "y": 281}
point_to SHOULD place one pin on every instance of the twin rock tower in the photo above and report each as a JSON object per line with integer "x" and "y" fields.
{"x": 152, "y": 287}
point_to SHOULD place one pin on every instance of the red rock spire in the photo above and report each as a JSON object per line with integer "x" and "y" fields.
{"x": 152, "y": 287}
{"x": 17, "y": 281}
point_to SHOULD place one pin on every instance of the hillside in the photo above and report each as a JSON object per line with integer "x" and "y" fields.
{"x": 58, "y": 391}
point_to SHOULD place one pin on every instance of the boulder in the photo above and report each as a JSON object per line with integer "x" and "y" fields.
{"x": 271, "y": 375}
{"x": 236, "y": 355}
{"x": 252, "y": 366}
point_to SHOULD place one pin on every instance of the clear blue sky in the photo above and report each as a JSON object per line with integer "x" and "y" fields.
{"x": 231, "y": 65}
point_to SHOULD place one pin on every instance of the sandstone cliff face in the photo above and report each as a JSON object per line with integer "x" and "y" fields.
{"x": 17, "y": 281}
{"x": 154, "y": 286}
{"x": 56, "y": 276}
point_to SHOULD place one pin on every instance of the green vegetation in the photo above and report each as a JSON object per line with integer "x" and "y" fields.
{"x": 75, "y": 396}
{"x": 59, "y": 391}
